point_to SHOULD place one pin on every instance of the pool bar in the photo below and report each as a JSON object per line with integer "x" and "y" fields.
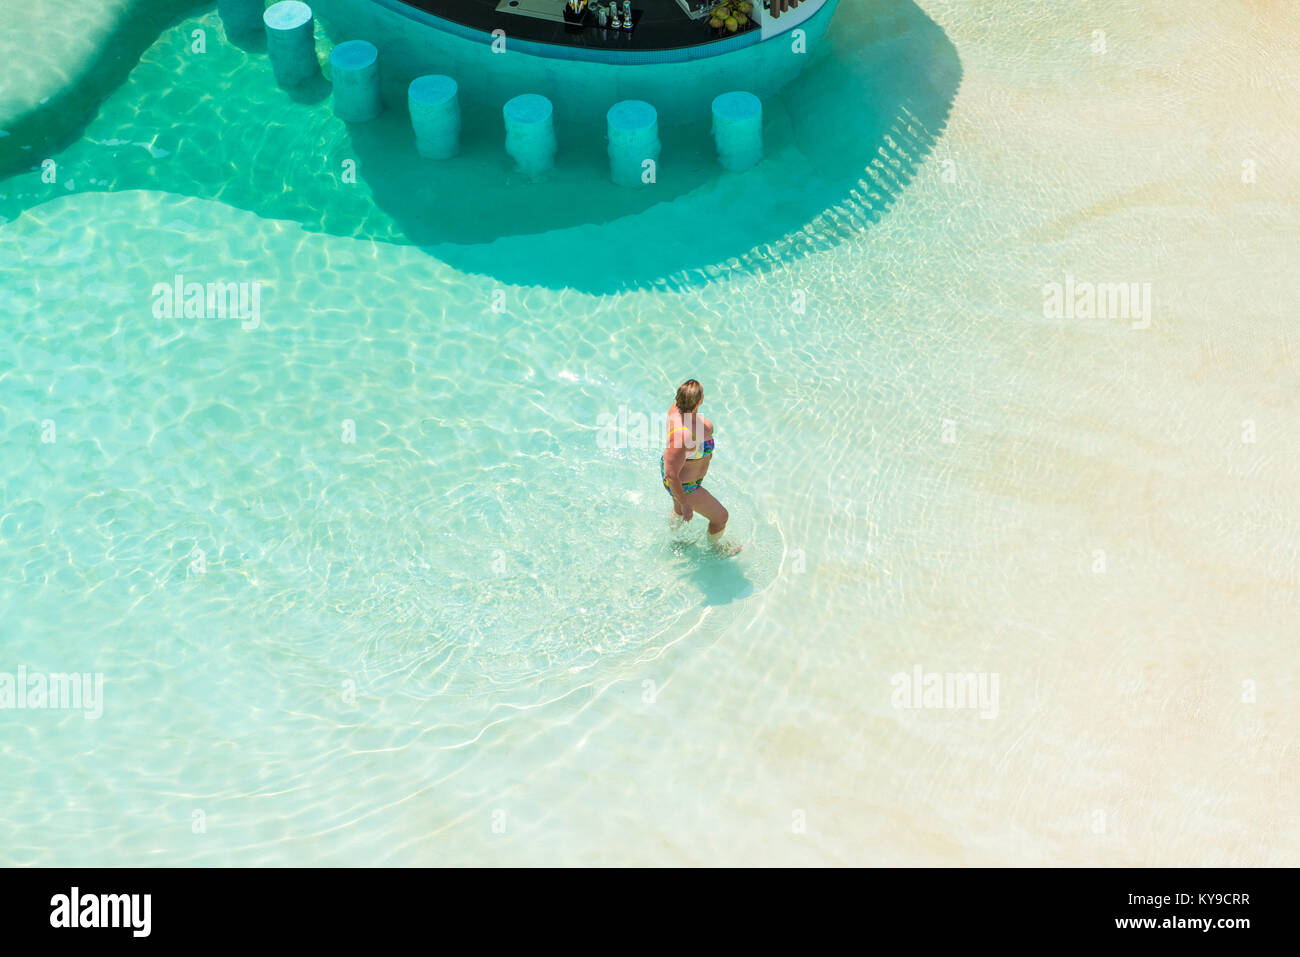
{"x": 692, "y": 49}
{"x": 669, "y": 58}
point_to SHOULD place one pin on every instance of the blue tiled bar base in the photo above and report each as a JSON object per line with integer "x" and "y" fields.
{"x": 413, "y": 43}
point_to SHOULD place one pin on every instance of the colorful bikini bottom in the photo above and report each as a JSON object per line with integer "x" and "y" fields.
{"x": 687, "y": 487}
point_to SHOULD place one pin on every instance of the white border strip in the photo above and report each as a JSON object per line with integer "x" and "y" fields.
{"x": 788, "y": 20}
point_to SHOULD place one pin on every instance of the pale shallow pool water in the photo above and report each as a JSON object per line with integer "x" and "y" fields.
{"x": 468, "y": 636}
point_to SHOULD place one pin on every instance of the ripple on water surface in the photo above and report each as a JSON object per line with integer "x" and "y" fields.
{"x": 358, "y": 499}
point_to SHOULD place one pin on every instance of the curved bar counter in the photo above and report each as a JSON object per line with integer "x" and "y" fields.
{"x": 668, "y": 59}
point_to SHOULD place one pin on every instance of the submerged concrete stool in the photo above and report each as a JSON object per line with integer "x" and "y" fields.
{"x": 291, "y": 42}
{"x": 354, "y": 69}
{"x": 738, "y": 129}
{"x": 241, "y": 17}
{"x": 435, "y": 115}
{"x": 633, "y": 130}
{"x": 530, "y": 133}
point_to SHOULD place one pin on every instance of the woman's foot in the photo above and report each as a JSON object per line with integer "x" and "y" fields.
{"x": 724, "y": 547}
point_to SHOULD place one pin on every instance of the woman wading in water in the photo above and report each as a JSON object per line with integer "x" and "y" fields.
{"x": 685, "y": 462}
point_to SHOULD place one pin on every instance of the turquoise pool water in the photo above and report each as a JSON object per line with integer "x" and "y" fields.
{"x": 370, "y": 582}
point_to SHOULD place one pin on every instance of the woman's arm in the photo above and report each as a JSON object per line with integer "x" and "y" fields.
{"x": 674, "y": 459}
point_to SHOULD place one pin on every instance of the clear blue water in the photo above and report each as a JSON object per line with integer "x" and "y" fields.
{"x": 468, "y": 635}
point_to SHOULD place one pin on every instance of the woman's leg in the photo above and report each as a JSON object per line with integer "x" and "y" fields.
{"x": 708, "y": 506}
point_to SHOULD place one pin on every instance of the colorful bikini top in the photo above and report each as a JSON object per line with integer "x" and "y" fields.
{"x": 701, "y": 448}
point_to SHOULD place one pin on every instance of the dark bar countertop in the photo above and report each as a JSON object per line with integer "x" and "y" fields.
{"x": 660, "y": 25}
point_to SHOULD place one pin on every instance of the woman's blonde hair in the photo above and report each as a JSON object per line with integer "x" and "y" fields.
{"x": 689, "y": 396}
